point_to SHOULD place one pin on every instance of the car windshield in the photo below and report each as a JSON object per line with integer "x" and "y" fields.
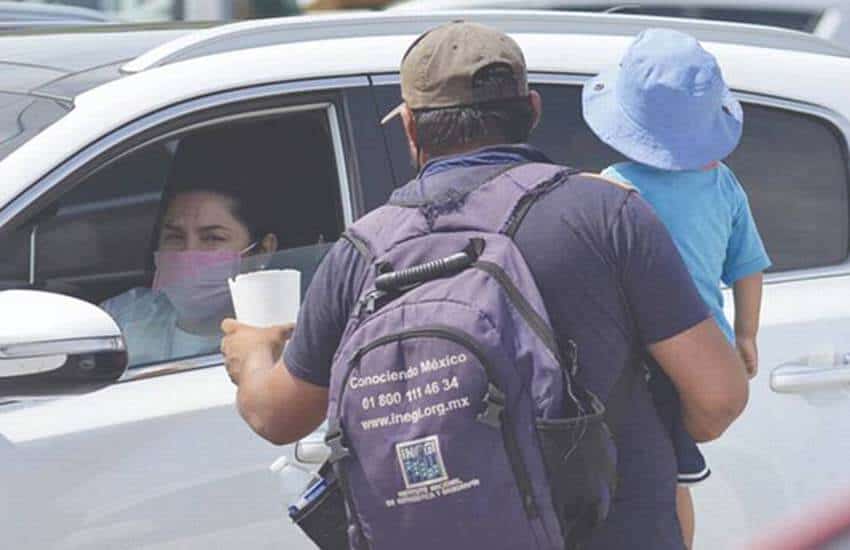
{"x": 22, "y": 116}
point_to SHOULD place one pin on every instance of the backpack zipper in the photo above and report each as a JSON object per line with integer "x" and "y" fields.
{"x": 512, "y": 448}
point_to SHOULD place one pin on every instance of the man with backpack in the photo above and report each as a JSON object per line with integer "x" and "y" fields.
{"x": 476, "y": 344}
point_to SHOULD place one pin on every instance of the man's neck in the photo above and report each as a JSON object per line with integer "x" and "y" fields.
{"x": 460, "y": 150}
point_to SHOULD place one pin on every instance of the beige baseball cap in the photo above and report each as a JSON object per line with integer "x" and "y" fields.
{"x": 439, "y": 69}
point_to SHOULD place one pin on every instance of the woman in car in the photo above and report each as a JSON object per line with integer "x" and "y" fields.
{"x": 215, "y": 216}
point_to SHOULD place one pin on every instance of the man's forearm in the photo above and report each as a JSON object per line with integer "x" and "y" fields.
{"x": 708, "y": 425}
{"x": 708, "y": 375}
{"x": 278, "y": 406}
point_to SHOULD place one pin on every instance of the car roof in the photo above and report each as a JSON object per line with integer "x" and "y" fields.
{"x": 66, "y": 62}
{"x": 802, "y": 77}
{"x": 37, "y": 61}
{"x": 253, "y": 34}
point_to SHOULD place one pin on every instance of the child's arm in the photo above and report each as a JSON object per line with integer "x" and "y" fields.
{"x": 747, "y": 293}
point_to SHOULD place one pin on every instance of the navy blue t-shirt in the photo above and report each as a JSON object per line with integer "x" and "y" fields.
{"x": 613, "y": 282}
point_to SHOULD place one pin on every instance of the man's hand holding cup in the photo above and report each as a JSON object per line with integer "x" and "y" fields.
{"x": 266, "y": 305}
{"x": 245, "y": 347}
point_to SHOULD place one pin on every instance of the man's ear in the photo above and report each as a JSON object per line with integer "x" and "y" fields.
{"x": 409, "y": 123}
{"x": 536, "y": 107}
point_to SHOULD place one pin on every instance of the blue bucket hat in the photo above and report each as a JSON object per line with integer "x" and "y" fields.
{"x": 666, "y": 105}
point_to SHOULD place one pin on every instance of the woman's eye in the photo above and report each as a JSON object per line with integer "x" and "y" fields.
{"x": 171, "y": 238}
{"x": 214, "y": 238}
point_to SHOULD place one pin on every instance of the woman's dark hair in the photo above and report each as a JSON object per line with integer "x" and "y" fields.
{"x": 229, "y": 161}
{"x": 266, "y": 167}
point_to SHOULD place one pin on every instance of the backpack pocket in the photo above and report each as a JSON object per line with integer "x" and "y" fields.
{"x": 423, "y": 442}
{"x": 322, "y": 517}
{"x": 581, "y": 462}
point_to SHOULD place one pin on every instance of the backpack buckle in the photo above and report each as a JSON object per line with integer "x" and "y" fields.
{"x": 369, "y": 303}
{"x": 494, "y": 404}
{"x": 334, "y": 440}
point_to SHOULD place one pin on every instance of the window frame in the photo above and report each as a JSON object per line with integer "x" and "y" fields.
{"x": 834, "y": 118}
{"x": 177, "y": 120}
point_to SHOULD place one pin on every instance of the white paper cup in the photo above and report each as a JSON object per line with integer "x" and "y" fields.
{"x": 266, "y": 298}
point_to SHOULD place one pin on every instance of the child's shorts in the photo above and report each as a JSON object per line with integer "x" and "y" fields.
{"x": 691, "y": 464}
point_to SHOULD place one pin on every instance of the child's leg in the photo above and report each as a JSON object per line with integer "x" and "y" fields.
{"x": 685, "y": 512}
{"x": 692, "y": 467}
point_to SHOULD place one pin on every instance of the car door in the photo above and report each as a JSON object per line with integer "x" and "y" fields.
{"x": 161, "y": 459}
{"x": 787, "y": 450}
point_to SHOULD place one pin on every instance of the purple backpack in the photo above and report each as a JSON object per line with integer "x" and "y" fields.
{"x": 455, "y": 420}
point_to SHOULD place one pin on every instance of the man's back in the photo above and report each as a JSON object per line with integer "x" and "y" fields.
{"x": 586, "y": 244}
{"x": 593, "y": 247}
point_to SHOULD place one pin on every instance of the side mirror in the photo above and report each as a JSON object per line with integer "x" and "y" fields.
{"x": 53, "y": 345}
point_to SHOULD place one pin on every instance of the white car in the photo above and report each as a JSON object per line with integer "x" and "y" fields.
{"x": 828, "y": 19}
{"x": 156, "y": 456}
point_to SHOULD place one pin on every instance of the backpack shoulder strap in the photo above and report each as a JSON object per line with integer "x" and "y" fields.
{"x": 494, "y": 205}
{"x": 533, "y": 194}
{"x": 359, "y": 244}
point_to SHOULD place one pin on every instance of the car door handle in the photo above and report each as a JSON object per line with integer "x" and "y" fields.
{"x": 801, "y": 378}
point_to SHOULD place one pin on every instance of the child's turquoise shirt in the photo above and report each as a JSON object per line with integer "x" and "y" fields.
{"x": 709, "y": 218}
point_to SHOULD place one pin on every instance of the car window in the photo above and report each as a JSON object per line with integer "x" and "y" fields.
{"x": 794, "y": 167}
{"x": 118, "y": 240}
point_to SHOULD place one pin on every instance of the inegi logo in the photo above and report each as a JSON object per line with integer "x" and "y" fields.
{"x": 421, "y": 462}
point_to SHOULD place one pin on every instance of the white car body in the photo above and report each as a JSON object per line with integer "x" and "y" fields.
{"x": 163, "y": 460}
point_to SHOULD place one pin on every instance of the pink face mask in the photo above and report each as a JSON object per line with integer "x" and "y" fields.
{"x": 195, "y": 281}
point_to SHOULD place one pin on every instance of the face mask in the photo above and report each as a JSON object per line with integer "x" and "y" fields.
{"x": 195, "y": 282}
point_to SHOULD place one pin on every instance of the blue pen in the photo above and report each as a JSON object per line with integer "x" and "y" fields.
{"x": 309, "y": 495}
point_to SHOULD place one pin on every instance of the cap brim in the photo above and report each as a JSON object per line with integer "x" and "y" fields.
{"x": 392, "y": 114}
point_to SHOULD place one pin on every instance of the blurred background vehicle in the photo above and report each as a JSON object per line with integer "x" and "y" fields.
{"x": 175, "y": 10}
{"x": 828, "y": 19}
{"x": 16, "y": 15}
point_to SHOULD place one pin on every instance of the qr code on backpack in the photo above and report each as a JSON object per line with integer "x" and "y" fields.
{"x": 421, "y": 461}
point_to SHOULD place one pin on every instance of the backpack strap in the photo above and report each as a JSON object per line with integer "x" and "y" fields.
{"x": 487, "y": 199}
{"x": 531, "y": 197}
{"x": 615, "y": 405}
{"x": 359, "y": 244}
{"x": 499, "y": 203}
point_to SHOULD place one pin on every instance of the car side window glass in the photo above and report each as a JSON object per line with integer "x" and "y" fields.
{"x": 153, "y": 236}
{"x": 794, "y": 167}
